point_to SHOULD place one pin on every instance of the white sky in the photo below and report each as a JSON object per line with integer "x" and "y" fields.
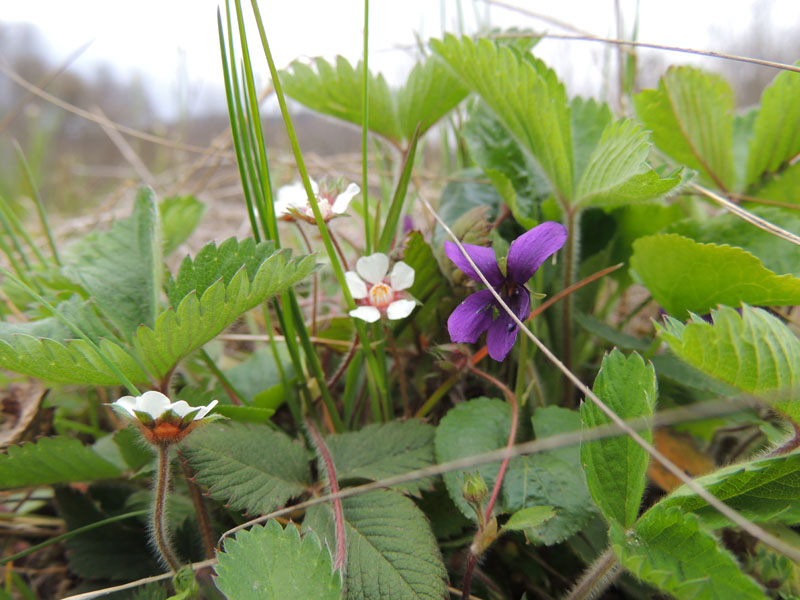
{"x": 167, "y": 43}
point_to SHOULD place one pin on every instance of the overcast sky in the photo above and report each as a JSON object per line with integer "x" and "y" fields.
{"x": 172, "y": 44}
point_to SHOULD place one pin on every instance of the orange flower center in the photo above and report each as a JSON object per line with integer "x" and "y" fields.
{"x": 381, "y": 295}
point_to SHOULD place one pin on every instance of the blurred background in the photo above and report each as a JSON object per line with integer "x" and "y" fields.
{"x": 102, "y": 96}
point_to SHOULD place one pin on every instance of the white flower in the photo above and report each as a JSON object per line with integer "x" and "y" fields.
{"x": 380, "y": 296}
{"x": 161, "y": 421}
{"x": 293, "y": 201}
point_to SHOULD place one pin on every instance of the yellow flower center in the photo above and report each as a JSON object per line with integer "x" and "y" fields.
{"x": 381, "y": 295}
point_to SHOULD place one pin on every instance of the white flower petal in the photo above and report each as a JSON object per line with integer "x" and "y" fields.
{"x": 400, "y": 309}
{"x": 181, "y": 408}
{"x": 127, "y": 403}
{"x": 291, "y": 196}
{"x": 401, "y": 277}
{"x": 343, "y": 200}
{"x": 153, "y": 403}
{"x": 373, "y": 268}
{"x": 205, "y": 410}
{"x": 356, "y": 285}
{"x": 370, "y": 314}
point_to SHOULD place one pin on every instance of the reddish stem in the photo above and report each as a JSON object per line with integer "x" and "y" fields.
{"x": 338, "y": 513}
{"x": 512, "y": 435}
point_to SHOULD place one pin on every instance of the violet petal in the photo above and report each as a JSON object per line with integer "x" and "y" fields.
{"x": 483, "y": 257}
{"x": 471, "y": 318}
{"x": 503, "y": 331}
{"x": 531, "y": 249}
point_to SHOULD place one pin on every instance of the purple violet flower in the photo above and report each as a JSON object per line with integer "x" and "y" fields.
{"x": 476, "y": 314}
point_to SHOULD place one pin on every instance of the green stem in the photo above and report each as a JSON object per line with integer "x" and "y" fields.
{"x": 364, "y": 131}
{"x": 376, "y": 382}
{"x": 38, "y": 201}
{"x": 229, "y": 388}
{"x": 570, "y": 261}
{"x": 602, "y": 573}
{"x": 160, "y": 533}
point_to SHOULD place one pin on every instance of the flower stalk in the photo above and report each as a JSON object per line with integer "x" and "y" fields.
{"x": 161, "y": 537}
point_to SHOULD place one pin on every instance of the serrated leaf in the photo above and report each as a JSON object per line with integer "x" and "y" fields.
{"x": 718, "y": 275}
{"x": 334, "y": 90}
{"x": 617, "y": 173}
{"x": 524, "y": 94}
{"x": 776, "y": 133}
{"x": 691, "y": 117}
{"x": 200, "y": 316}
{"x": 180, "y": 215}
{"x": 776, "y": 254}
{"x": 616, "y": 467}
{"x": 589, "y": 119}
{"x": 121, "y": 268}
{"x": 391, "y": 552}
{"x": 430, "y": 92}
{"x": 754, "y": 352}
{"x": 72, "y": 362}
{"x": 506, "y": 164}
{"x": 52, "y": 460}
{"x": 668, "y": 549}
{"x": 763, "y": 491}
{"x": 273, "y": 563}
{"x": 552, "y": 478}
{"x": 252, "y": 467}
{"x": 384, "y": 450}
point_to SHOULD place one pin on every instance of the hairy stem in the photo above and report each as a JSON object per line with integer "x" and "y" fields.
{"x": 324, "y": 455}
{"x": 601, "y": 574}
{"x": 200, "y": 510}
{"x": 791, "y": 444}
{"x": 160, "y": 533}
{"x": 466, "y": 590}
{"x": 570, "y": 270}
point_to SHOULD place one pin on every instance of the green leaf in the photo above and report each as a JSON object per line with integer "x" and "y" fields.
{"x": 784, "y": 187}
{"x": 121, "y": 268}
{"x": 668, "y": 549}
{"x": 552, "y": 478}
{"x": 611, "y": 334}
{"x": 71, "y": 362}
{"x": 205, "y": 312}
{"x": 776, "y": 133}
{"x": 617, "y": 172}
{"x": 525, "y": 95}
{"x": 180, "y": 215}
{"x": 470, "y": 428}
{"x": 691, "y": 117}
{"x": 506, "y": 164}
{"x": 272, "y": 563}
{"x": 391, "y": 552}
{"x": 52, "y": 460}
{"x": 251, "y": 467}
{"x": 754, "y": 352}
{"x": 399, "y": 197}
{"x": 776, "y": 254}
{"x": 248, "y": 414}
{"x": 384, "y": 450}
{"x": 430, "y": 286}
{"x": 589, "y": 120}
{"x": 616, "y": 467}
{"x": 528, "y": 518}
{"x": 335, "y": 90}
{"x": 763, "y": 491}
{"x": 717, "y": 275}
{"x": 430, "y": 92}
